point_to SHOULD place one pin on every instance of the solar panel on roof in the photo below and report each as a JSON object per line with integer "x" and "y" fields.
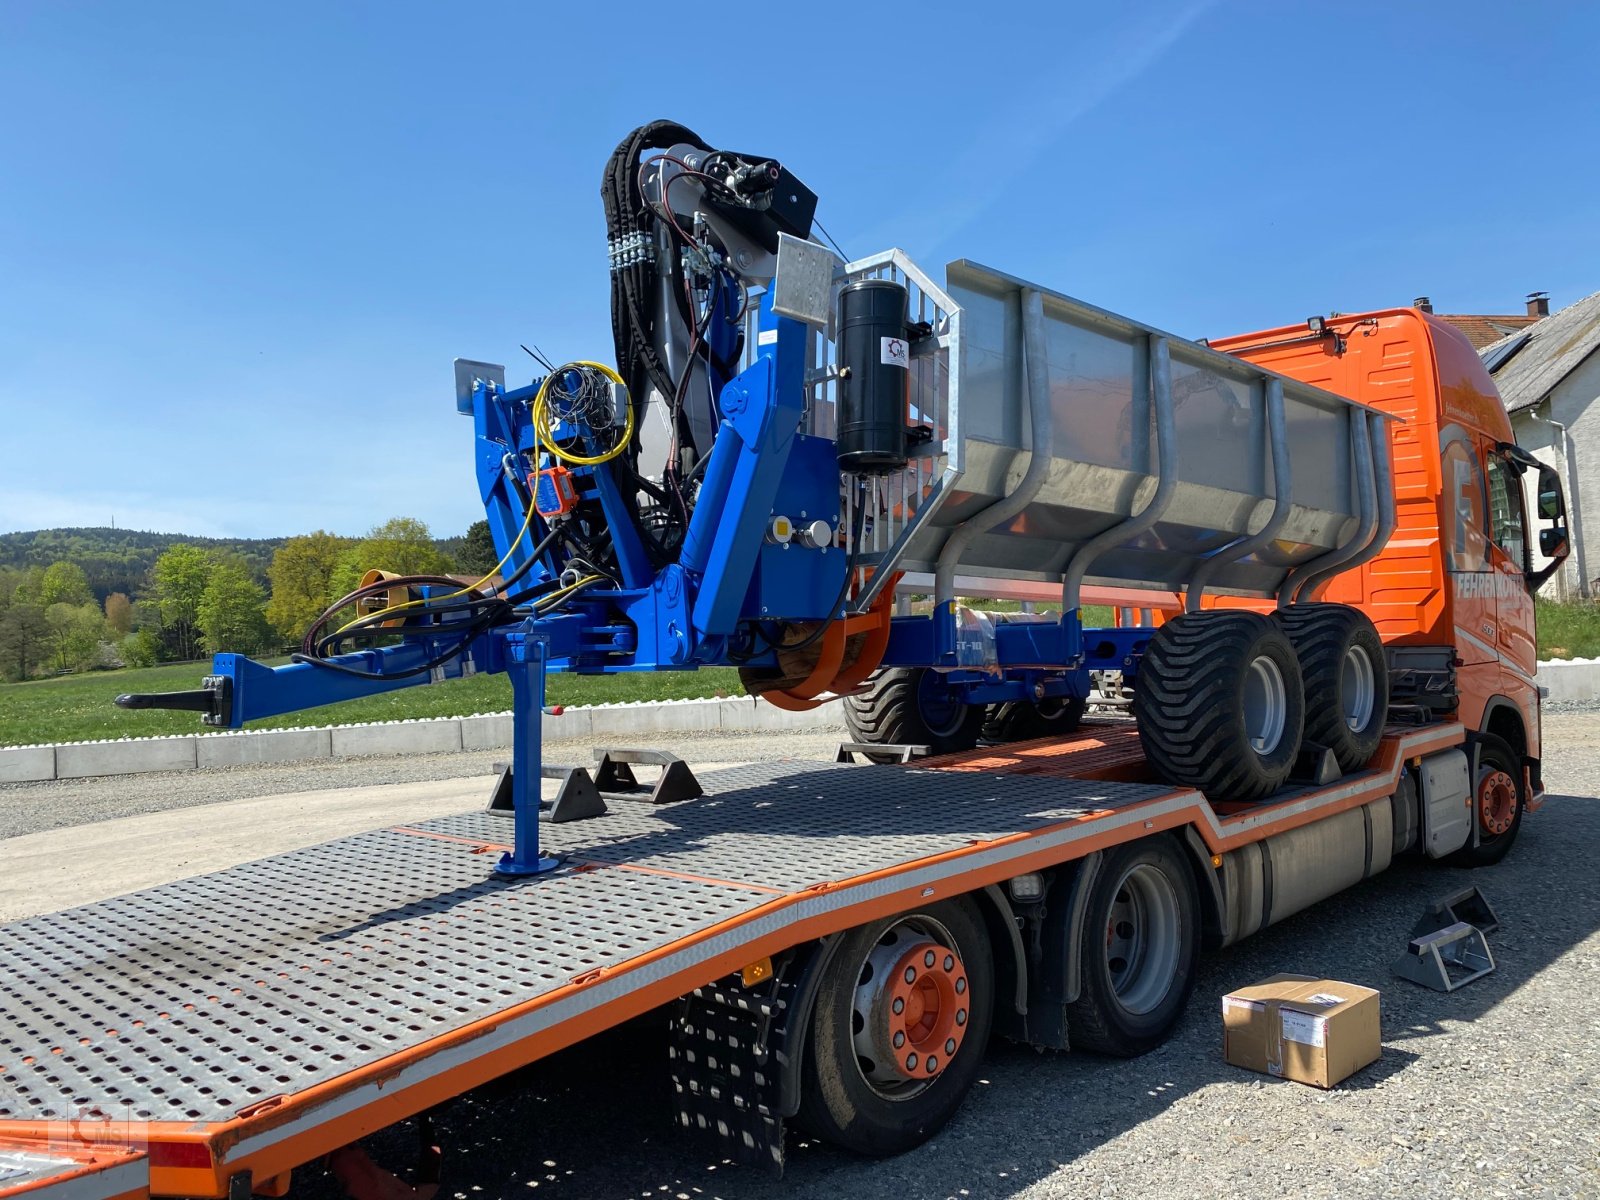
{"x": 1496, "y": 356}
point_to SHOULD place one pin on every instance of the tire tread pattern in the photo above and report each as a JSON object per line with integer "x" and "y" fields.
{"x": 887, "y": 714}
{"x": 1186, "y": 705}
{"x": 1320, "y": 634}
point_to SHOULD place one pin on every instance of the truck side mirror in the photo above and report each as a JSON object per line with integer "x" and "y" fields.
{"x": 1551, "y": 503}
{"x": 1554, "y": 542}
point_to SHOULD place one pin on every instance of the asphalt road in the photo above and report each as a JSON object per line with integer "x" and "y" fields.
{"x": 1491, "y": 1091}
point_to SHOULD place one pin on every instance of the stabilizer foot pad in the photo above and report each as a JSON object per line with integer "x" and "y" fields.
{"x": 576, "y": 800}
{"x": 880, "y": 754}
{"x": 1446, "y": 959}
{"x": 1469, "y": 905}
{"x": 614, "y": 776}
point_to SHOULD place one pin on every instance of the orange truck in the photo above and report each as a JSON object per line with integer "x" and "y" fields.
{"x": 834, "y": 944}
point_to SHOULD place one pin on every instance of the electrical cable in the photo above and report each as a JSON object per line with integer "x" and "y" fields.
{"x": 823, "y": 229}
{"x": 555, "y": 599}
{"x": 425, "y": 602}
{"x": 542, "y": 425}
{"x": 344, "y": 669}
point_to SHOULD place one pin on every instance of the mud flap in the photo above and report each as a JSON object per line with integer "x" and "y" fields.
{"x": 725, "y": 1075}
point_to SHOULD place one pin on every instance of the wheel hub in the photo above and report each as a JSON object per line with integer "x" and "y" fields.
{"x": 1497, "y": 802}
{"x": 1265, "y": 705}
{"x": 941, "y": 709}
{"x": 911, "y": 1009}
{"x": 1357, "y": 689}
{"x": 1142, "y": 938}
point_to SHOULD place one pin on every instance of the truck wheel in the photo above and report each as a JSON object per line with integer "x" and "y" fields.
{"x": 912, "y": 706}
{"x": 1019, "y": 720}
{"x": 1498, "y": 799}
{"x": 899, "y": 1029}
{"x": 1141, "y": 936}
{"x": 1219, "y": 704}
{"x": 1346, "y": 679}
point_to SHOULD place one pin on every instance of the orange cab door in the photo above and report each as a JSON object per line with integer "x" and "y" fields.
{"x": 1508, "y": 557}
{"x": 1464, "y": 522}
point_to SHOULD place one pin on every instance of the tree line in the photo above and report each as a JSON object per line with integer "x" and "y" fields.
{"x": 197, "y": 599}
{"x": 119, "y": 560}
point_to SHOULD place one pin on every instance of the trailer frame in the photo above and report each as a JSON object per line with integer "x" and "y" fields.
{"x": 651, "y": 902}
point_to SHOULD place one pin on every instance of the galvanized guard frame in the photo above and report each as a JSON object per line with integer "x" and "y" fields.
{"x": 901, "y": 505}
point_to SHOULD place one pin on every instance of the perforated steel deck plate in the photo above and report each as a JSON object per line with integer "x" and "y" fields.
{"x": 790, "y": 825}
{"x": 193, "y": 1000}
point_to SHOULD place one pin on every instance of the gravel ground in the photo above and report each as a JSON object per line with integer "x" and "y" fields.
{"x": 1491, "y": 1091}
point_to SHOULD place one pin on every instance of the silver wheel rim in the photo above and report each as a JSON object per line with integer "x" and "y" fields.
{"x": 1142, "y": 938}
{"x": 873, "y": 980}
{"x": 1266, "y": 705}
{"x": 1357, "y": 690}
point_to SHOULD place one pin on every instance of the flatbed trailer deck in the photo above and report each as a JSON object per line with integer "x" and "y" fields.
{"x": 242, "y": 1023}
{"x": 72, "y": 1172}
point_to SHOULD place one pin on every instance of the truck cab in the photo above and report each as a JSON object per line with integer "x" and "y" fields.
{"x": 1480, "y": 523}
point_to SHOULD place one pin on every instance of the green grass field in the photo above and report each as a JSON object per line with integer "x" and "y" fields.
{"x": 79, "y": 707}
{"x": 1569, "y": 630}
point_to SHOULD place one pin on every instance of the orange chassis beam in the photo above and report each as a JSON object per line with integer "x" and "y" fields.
{"x": 270, "y": 1138}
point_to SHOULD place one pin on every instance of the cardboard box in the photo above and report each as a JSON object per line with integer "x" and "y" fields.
{"x": 1316, "y": 1031}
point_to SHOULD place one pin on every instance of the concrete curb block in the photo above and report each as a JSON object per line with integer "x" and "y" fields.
{"x": 24, "y": 764}
{"x": 1570, "y": 680}
{"x": 264, "y": 746}
{"x": 487, "y": 731}
{"x": 398, "y": 737}
{"x": 76, "y": 760}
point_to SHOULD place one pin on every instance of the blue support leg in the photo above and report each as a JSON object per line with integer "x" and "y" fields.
{"x": 525, "y": 665}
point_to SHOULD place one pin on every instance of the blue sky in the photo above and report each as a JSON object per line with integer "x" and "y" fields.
{"x": 240, "y": 244}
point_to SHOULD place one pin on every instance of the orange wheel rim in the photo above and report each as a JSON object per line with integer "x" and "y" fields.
{"x": 927, "y": 1010}
{"x": 1497, "y": 802}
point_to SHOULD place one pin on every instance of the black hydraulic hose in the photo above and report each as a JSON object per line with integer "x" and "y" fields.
{"x": 544, "y": 544}
{"x": 379, "y": 624}
{"x": 431, "y": 664}
{"x": 314, "y": 647}
{"x": 632, "y": 285}
{"x": 308, "y": 642}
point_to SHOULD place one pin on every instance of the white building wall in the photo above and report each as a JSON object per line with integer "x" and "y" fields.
{"x": 1564, "y": 431}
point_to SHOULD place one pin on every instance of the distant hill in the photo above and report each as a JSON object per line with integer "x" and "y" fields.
{"x": 119, "y": 560}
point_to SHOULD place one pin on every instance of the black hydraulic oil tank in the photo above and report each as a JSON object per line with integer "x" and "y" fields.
{"x": 874, "y": 360}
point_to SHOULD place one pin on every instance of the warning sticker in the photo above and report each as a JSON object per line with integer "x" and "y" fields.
{"x": 895, "y": 352}
{"x": 1304, "y": 1028}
